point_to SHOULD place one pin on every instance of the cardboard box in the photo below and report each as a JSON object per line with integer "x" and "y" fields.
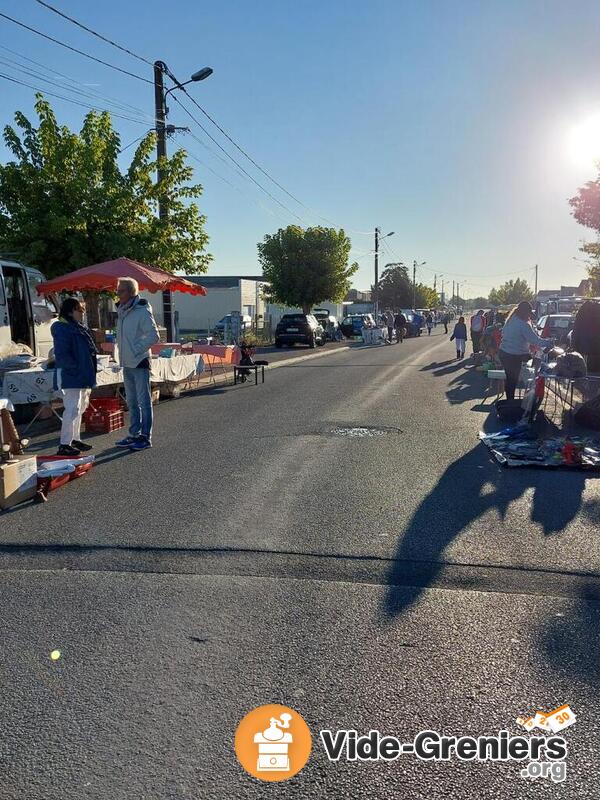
{"x": 18, "y": 481}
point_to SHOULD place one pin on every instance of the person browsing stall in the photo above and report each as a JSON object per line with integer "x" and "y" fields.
{"x": 75, "y": 359}
{"x": 136, "y": 333}
{"x": 517, "y": 337}
{"x": 459, "y": 335}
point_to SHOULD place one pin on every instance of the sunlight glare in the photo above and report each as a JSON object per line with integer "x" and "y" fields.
{"x": 584, "y": 142}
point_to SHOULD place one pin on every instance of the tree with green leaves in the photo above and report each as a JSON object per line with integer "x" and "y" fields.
{"x": 511, "y": 292}
{"x": 586, "y": 210}
{"x": 66, "y": 204}
{"x": 426, "y": 297}
{"x": 305, "y": 267}
{"x": 394, "y": 289}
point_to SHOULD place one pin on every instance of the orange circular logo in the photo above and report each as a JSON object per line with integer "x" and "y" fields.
{"x": 273, "y": 743}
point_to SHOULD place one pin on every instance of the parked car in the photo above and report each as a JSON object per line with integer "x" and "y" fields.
{"x": 412, "y": 325}
{"x": 555, "y": 326}
{"x": 353, "y": 324}
{"x": 299, "y": 329}
{"x": 328, "y": 321}
{"x": 245, "y": 322}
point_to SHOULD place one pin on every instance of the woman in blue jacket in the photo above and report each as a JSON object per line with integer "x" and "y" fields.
{"x": 75, "y": 356}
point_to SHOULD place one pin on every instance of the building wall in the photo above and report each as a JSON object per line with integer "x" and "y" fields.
{"x": 202, "y": 313}
{"x": 252, "y": 302}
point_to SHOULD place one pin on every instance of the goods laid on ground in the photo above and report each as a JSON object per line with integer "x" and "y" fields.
{"x": 520, "y": 446}
{"x": 56, "y": 471}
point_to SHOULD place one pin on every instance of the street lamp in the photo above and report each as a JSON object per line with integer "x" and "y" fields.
{"x": 160, "y": 114}
{"x": 200, "y": 75}
{"x": 378, "y": 236}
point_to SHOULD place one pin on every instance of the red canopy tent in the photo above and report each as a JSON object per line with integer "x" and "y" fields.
{"x": 104, "y": 277}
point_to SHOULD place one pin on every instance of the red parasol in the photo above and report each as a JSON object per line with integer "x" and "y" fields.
{"x": 104, "y": 277}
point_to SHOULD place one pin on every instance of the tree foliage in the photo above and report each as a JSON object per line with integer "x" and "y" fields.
{"x": 426, "y": 297}
{"x": 305, "y": 267}
{"x": 511, "y": 292}
{"x": 586, "y": 210}
{"x": 395, "y": 290}
{"x": 66, "y": 204}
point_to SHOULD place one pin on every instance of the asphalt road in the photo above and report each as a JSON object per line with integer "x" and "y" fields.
{"x": 260, "y": 553}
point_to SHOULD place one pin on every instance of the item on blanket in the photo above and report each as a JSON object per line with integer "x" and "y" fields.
{"x": 576, "y": 452}
{"x": 52, "y": 469}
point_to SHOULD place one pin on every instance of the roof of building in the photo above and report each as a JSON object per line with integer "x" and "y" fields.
{"x": 223, "y": 281}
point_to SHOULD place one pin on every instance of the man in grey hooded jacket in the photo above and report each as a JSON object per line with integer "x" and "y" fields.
{"x": 136, "y": 333}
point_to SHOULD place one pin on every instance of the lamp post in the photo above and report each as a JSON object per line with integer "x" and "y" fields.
{"x": 160, "y": 113}
{"x": 378, "y": 236}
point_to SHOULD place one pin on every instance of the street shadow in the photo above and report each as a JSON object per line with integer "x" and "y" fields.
{"x": 443, "y": 367}
{"x": 467, "y": 386}
{"x": 568, "y": 641}
{"x": 467, "y": 490}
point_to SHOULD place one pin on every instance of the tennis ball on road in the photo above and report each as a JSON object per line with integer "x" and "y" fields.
{"x": 55, "y": 655}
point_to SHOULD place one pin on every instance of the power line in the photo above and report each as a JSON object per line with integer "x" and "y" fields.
{"x": 21, "y": 69}
{"x": 257, "y": 165}
{"x": 231, "y": 158}
{"x": 50, "y": 69}
{"x": 93, "y": 32}
{"x": 69, "y": 99}
{"x": 200, "y": 108}
{"x": 74, "y": 49}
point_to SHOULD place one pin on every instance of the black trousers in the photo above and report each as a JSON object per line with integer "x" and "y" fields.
{"x": 512, "y": 367}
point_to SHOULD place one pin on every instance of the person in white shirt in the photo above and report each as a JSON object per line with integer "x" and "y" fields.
{"x": 517, "y": 337}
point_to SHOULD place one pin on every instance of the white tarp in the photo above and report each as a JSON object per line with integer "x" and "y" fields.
{"x": 36, "y": 385}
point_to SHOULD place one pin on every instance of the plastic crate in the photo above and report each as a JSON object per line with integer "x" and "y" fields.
{"x": 103, "y": 404}
{"x": 104, "y": 421}
{"x": 46, "y": 485}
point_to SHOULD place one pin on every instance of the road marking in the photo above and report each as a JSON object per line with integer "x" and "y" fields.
{"x": 285, "y": 362}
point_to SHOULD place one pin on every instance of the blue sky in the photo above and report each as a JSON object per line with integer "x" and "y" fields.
{"x": 446, "y": 122}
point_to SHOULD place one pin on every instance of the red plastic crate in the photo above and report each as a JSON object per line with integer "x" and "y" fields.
{"x": 104, "y": 421}
{"x": 103, "y": 404}
{"x": 46, "y": 485}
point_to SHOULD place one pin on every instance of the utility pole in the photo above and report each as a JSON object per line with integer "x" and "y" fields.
{"x": 435, "y": 283}
{"x": 414, "y": 283}
{"x": 161, "y": 152}
{"x": 452, "y": 301}
{"x": 442, "y": 297}
{"x": 458, "y": 295}
{"x": 376, "y": 289}
{"x": 536, "y": 279}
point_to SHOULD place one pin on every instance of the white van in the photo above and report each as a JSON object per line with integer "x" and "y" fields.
{"x": 25, "y": 316}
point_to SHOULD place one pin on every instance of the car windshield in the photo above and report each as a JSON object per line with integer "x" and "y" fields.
{"x": 294, "y": 318}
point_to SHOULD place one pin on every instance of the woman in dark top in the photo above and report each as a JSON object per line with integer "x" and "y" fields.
{"x": 75, "y": 356}
{"x": 460, "y": 335}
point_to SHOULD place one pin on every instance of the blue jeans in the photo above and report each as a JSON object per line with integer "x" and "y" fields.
{"x": 139, "y": 400}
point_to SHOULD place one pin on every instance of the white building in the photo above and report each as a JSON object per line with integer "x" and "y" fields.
{"x": 225, "y": 294}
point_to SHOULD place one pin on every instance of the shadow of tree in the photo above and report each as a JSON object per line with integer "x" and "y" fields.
{"x": 466, "y": 491}
{"x": 569, "y": 639}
